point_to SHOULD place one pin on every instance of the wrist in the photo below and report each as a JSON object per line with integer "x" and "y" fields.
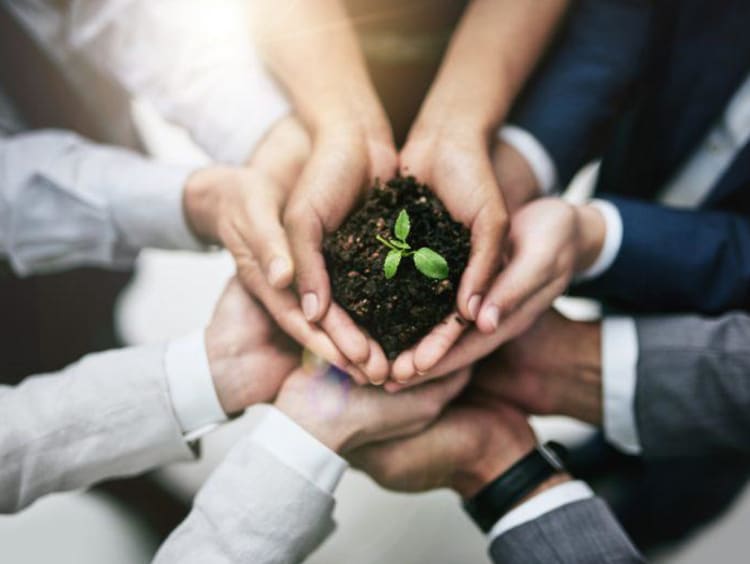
{"x": 484, "y": 467}
{"x": 322, "y": 428}
{"x": 592, "y": 229}
{"x": 579, "y": 394}
{"x": 201, "y": 200}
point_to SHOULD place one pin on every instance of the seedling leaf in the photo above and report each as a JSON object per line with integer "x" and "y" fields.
{"x": 431, "y": 264}
{"x": 399, "y": 245}
{"x": 390, "y": 266}
{"x": 403, "y": 226}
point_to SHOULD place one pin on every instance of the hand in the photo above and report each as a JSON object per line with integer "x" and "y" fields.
{"x": 456, "y": 165}
{"x": 550, "y": 240}
{"x": 345, "y": 161}
{"x": 554, "y": 368}
{"x": 488, "y": 60}
{"x": 468, "y": 447}
{"x": 344, "y": 417}
{"x": 242, "y": 208}
{"x": 352, "y": 144}
{"x": 248, "y": 355}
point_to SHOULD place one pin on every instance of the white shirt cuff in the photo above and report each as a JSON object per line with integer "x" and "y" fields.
{"x": 545, "y": 502}
{"x": 191, "y": 386}
{"x": 535, "y": 154}
{"x": 612, "y": 240}
{"x": 147, "y": 204}
{"x": 299, "y": 450}
{"x": 619, "y": 377}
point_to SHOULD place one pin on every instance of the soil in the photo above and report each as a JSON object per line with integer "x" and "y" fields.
{"x": 400, "y": 311}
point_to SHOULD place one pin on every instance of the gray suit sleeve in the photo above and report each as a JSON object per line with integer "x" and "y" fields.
{"x": 693, "y": 387}
{"x": 253, "y": 508}
{"x": 107, "y": 415}
{"x": 584, "y": 532}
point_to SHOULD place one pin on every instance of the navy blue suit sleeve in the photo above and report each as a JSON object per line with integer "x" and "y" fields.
{"x": 571, "y": 103}
{"x": 674, "y": 260}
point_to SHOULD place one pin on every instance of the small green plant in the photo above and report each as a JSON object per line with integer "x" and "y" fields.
{"x": 427, "y": 261}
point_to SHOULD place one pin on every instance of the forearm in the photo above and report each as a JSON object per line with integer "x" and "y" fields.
{"x": 589, "y": 74}
{"x": 108, "y": 415}
{"x": 69, "y": 202}
{"x": 313, "y": 50}
{"x": 675, "y": 260}
{"x": 493, "y": 51}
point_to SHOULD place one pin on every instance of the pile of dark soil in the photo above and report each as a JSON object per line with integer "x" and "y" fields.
{"x": 400, "y": 311}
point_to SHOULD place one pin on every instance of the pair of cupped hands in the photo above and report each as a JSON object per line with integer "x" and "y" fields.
{"x": 301, "y": 184}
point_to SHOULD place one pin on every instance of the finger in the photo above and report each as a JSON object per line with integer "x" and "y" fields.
{"x": 437, "y": 343}
{"x": 528, "y": 272}
{"x": 265, "y": 236}
{"x": 428, "y": 352}
{"x": 475, "y": 345}
{"x": 377, "y": 366}
{"x": 488, "y": 231}
{"x": 346, "y": 335}
{"x": 283, "y": 306}
{"x": 403, "y": 369}
{"x": 305, "y": 232}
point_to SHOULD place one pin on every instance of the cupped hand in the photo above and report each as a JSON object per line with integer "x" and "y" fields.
{"x": 343, "y": 417}
{"x": 242, "y": 209}
{"x": 549, "y": 241}
{"x": 456, "y": 165}
{"x": 345, "y": 161}
{"x": 248, "y": 355}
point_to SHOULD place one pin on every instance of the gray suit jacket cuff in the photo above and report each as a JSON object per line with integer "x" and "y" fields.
{"x": 693, "y": 385}
{"x": 584, "y": 532}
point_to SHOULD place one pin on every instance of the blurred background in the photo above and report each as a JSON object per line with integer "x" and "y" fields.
{"x": 56, "y": 319}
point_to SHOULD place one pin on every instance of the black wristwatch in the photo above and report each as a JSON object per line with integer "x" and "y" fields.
{"x": 500, "y": 495}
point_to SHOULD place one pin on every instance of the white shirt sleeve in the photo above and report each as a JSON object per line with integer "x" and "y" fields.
{"x": 545, "y": 502}
{"x": 536, "y": 155}
{"x": 66, "y": 202}
{"x": 612, "y": 241}
{"x": 195, "y": 62}
{"x": 299, "y": 450}
{"x": 191, "y": 386}
{"x": 619, "y": 378}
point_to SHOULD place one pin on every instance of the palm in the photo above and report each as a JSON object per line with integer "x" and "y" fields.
{"x": 253, "y": 353}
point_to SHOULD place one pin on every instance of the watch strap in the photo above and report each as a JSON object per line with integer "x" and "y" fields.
{"x": 499, "y": 496}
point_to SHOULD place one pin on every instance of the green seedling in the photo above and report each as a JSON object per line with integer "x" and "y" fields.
{"x": 427, "y": 261}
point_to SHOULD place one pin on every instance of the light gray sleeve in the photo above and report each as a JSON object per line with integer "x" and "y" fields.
{"x": 255, "y": 509}
{"x": 584, "y": 532}
{"x": 693, "y": 388}
{"x": 66, "y": 202}
{"x": 108, "y": 415}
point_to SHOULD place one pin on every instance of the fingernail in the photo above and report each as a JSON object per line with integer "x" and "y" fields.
{"x": 474, "y": 302}
{"x": 278, "y": 268}
{"x": 493, "y": 316}
{"x": 310, "y": 306}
